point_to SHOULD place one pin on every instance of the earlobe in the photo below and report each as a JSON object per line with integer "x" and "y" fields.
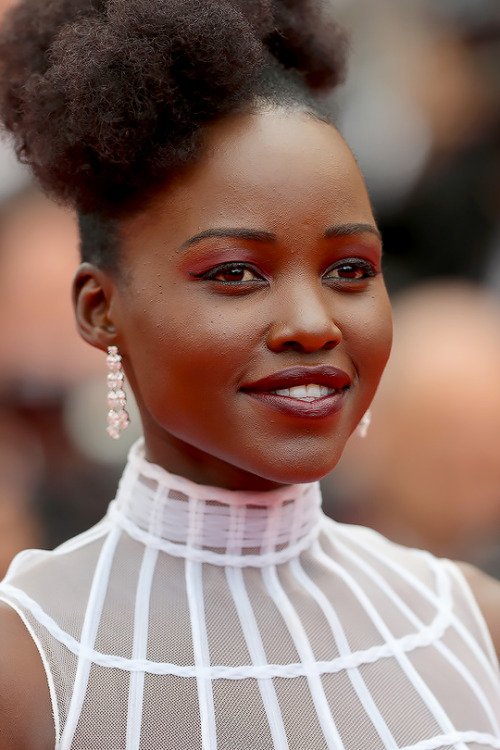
{"x": 92, "y": 294}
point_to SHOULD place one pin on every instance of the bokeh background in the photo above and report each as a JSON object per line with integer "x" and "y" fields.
{"x": 421, "y": 111}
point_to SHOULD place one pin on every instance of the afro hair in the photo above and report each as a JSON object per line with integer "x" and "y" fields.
{"x": 105, "y": 98}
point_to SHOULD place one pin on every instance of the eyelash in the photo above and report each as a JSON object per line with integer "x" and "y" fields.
{"x": 227, "y": 267}
{"x": 355, "y": 264}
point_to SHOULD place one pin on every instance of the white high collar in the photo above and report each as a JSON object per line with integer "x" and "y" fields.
{"x": 225, "y": 524}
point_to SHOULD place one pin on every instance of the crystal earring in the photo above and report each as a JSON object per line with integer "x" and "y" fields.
{"x": 362, "y": 428}
{"x": 118, "y": 419}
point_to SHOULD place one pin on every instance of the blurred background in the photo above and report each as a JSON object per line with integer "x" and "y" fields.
{"x": 421, "y": 111}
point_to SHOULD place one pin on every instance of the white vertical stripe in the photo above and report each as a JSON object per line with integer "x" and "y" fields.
{"x": 452, "y": 659}
{"x": 194, "y": 590}
{"x": 272, "y": 528}
{"x": 236, "y": 583}
{"x": 257, "y": 654}
{"x": 306, "y": 655}
{"x": 89, "y": 633}
{"x": 415, "y": 679}
{"x": 340, "y": 637}
{"x": 194, "y": 585}
{"x": 141, "y": 629}
{"x": 141, "y": 621}
{"x": 236, "y": 530}
{"x": 297, "y": 522}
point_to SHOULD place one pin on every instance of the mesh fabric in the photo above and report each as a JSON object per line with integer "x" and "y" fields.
{"x": 194, "y": 618}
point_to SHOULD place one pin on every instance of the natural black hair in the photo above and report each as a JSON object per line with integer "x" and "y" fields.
{"x": 107, "y": 98}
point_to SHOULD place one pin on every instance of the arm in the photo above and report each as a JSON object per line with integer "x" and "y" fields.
{"x": 26, "y": 721}
{"x": 487, "y": 593}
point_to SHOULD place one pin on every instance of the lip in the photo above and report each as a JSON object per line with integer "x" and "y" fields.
{"x": 331, "y": 377}
{"x": 326, "y": 375}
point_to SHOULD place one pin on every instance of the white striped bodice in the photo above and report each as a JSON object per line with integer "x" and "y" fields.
{"x": 194, "y": 618}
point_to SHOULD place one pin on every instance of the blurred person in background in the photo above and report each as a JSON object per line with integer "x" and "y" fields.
{"x": 421, "y": 111}
{"x": 431, "y": 463}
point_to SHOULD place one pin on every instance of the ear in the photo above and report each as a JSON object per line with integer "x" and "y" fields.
{"x": 92, "y": 295}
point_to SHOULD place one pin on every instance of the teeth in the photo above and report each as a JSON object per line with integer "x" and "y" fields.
{"x": 305, "y": 392}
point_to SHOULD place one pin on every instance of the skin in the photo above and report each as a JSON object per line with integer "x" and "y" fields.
{"x": 26, "y": 721}
{"x": 190, "y": 340}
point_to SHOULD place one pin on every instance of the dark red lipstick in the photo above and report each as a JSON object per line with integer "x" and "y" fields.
{"x": 332, "y": 378}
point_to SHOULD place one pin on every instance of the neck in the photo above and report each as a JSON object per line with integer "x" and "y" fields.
{"x": 187, "y": 461}
{"x": 211, "y": 524}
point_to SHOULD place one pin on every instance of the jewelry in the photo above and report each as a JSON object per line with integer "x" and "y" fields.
{"x": 362, "y": 428}
{"x": 118, "y": 419}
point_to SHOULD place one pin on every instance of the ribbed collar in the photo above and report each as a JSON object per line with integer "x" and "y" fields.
{"x": 191, "y": 517}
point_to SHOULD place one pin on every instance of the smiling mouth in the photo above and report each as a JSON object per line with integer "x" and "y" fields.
{"x": 310, "y": 392}
{"x": 313, "y": 392}
{"x": 315, "y": 381}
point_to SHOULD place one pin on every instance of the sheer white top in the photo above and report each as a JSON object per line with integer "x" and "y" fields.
{"x": 198, "y": 618}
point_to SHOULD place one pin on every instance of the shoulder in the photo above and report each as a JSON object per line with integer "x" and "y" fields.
{"x": 486, "y": 591}
{"x": 26, "y": 719}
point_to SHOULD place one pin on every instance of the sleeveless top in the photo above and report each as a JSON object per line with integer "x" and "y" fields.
{"x": 196, "y": 618}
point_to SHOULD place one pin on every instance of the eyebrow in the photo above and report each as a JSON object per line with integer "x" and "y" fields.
{"x": 350, "y": 230}
{"x": 260, "y": 235}
{"x": 253, "y": 235}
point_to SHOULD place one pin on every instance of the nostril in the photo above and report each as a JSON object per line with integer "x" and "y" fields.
{"x": 299, "y": 346}
{"x": 292, "y": 345}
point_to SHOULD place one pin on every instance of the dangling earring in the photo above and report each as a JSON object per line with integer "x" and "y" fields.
{"x": 118, "y": 419}
{"x": 362, "y": 428}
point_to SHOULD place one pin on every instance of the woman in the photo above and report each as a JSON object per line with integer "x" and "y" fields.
{"x": 231, "y": 259}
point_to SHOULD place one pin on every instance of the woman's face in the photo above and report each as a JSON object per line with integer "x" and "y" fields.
{"x": 253, "y": 319}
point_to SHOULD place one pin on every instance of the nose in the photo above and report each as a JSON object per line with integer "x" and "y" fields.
{"x": 304, "y": 323}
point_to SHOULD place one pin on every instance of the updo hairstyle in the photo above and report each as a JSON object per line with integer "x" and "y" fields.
{"x": 106, "y": 99}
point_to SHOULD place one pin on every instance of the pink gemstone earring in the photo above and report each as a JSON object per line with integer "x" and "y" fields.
{"x": 118, "y": 419}
{"x": 362, "y": 428}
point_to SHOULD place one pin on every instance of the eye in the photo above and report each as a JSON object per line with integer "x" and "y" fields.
{"x": 352, "y": 269}
{"x": 232, "y": 273}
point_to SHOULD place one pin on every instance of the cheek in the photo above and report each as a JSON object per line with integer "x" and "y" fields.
{"x": 369, "y": 336}
{"x": 177, "y": 344}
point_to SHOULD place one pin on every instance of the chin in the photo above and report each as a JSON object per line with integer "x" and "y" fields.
{"x": 300, "y": 472}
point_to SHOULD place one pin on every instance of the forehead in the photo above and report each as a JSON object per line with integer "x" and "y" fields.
{"x": 270, "y": 170}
